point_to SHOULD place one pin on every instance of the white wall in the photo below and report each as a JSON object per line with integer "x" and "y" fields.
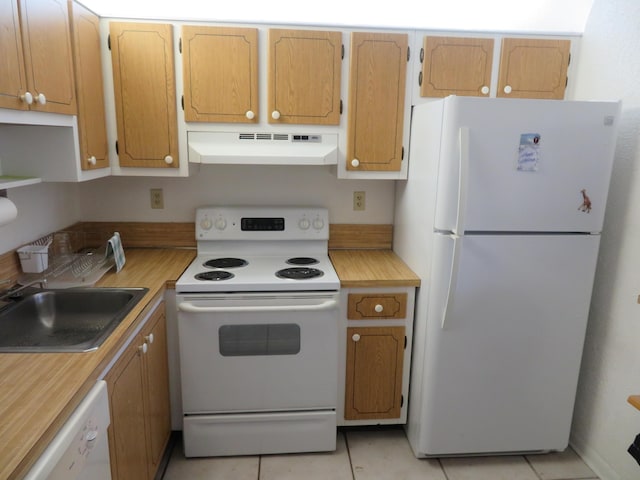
{"x": 42, "y": 208}
{"x": 604, "y": 424}
{"x": 127, "y": 198}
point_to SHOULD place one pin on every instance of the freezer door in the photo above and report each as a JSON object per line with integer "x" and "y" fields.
{"x": 525, "y": 165}
{"x": 500, "y": 374}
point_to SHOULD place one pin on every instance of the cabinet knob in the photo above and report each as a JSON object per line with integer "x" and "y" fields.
{"x": 484, "y": 90}
{"x": 250, "y": 115}
{"x": 92, "y": 160}
{"x": 27, "y": 98}
{"x": 275, "y": 114}
{"x": 41, "y": 99}
{"x": 143, "y": 348}
{"x": 378, "y": 308}
{"x": 507, "y": 89}
{"x": 355, "y": 162}
{"x": 168, "y": 159}
{"x": 149, "y": 338}
{"x": 355, "y": 337}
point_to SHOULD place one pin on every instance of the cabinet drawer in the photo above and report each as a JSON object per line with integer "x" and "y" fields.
{"x": 372, "y": 306}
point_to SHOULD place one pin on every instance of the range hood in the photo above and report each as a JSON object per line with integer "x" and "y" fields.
{"x": 263, "y": 148}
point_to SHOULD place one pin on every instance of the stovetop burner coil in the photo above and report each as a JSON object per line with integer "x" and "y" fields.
{"x": 226, "y": 262}
{"x": 302, "y": 261}
{"x": 215, "y": 275}
{"x": 299, "y": 273}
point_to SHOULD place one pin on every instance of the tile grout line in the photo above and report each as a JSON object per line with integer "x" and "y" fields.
{"x": 526, "y": 459}
{"x": 346, "y": 442}
{"x": 259, "y": 465}
{"x": 444, "y": 472}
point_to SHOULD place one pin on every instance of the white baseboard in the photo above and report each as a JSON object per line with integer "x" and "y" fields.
{"x": 593, "y": 459}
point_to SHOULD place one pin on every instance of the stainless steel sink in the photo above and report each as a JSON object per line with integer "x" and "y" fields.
{"x": 71, "y": 320}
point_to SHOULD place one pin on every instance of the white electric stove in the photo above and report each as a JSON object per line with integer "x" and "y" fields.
{"x": 258, "y": 324}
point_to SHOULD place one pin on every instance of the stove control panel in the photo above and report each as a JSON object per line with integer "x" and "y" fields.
{"x": 262, "y": 223}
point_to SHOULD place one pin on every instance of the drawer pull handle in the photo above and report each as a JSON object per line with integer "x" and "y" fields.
{"x": 378, "y": 308}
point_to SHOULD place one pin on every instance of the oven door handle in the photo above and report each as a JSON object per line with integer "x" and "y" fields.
{"x": 191, "y": 308}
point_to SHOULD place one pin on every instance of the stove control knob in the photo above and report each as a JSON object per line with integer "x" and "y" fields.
{"x": 304, "y": 224}
{"x": 318, "y": 224}
{"x": 206, "y": 224}
{"x": 220, "y": 224}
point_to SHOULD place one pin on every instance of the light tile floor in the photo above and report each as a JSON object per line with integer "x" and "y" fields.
{"x": 376, "y": 454}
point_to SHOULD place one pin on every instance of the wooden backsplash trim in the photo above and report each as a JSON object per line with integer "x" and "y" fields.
{"x": 9, "y": 269}
{"x": 142, "y": 234}
{"x": 355, "y": 236}
{"x": 182, "y": 235}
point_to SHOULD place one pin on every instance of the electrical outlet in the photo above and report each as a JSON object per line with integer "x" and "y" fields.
{"x": 359, "y": 200}
{"x": 157, "y": 199}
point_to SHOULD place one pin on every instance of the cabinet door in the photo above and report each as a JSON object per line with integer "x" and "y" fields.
{"x": 533, "y": 68}
{"x": 456, "y": 66}
{"x": 220, "y": 66}
{"x": 375, "y": 357}
{"x": 376, "y": 101}
{"x": 304, "y": 76}
{"x": 127, "y": 438}
{"x": 13, "y": 82}
{"x": 144, "y": 89}
{"x": 89, "y": 89}
{"x": 157, "y": 378}
{"x": 46, "y": 45}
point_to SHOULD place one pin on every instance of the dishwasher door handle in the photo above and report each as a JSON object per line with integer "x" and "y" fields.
{"x": 191, "y": 308}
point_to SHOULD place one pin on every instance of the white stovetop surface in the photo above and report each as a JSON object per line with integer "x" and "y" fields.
{"x": 258, "y": 275}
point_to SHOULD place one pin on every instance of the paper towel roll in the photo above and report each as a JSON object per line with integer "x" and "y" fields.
{"x": 8, "y": 211}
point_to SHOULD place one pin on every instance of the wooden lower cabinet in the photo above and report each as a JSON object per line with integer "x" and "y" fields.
{"x": 138, "y": 386}
{"x": 375, "y": 357}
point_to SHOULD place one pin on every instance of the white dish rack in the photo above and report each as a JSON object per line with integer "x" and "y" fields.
{"x": 63, "y": 267}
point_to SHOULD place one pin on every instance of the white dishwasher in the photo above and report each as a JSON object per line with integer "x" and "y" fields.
{"x": 80, "y": 450}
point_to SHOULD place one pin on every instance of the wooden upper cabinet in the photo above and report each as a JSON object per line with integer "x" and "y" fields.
{"x": 533, "y": 68}
{"x": 375, "y": 357}
{"x": 304, "y": 76}
{"x": 13, "y": 82}
{"x": 220, "y": 66}
{"x": 44, "y": 81}
{"x": 144, "y": 90}
{"x": 92, "y": 127}
{"x": 456, "y": 66}
{"x": 376, "y": 101}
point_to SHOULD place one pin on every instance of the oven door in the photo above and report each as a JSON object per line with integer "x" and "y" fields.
{"x": 244, "y": 352}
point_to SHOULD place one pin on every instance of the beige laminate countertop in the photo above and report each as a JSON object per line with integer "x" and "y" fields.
{"x": 38, "y": 391}
{"x": 372, "y": 268}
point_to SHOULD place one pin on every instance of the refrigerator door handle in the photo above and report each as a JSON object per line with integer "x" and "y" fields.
{"x": 453, "y": 278}
{"x": 463, "y": 177}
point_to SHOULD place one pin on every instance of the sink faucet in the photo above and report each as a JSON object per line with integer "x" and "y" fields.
{"x": 14, "y": 292}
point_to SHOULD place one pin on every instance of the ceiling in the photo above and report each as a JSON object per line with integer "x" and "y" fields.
{"x": 541, "y": 16}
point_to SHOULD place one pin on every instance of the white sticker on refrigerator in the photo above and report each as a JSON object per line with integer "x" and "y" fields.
{"x": 529, "y": 152}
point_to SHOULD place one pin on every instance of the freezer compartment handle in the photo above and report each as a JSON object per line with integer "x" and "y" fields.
{"x": 463, "y": 177}
{"x": 453, "y": 278}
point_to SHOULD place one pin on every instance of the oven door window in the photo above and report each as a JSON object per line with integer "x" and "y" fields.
{"x": 250, "y": 340}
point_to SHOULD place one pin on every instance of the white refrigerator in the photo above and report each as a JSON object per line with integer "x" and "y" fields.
{"x": 501, "y": 218}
